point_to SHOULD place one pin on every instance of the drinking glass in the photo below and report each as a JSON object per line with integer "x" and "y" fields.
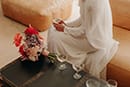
{"x": 77, "y": 68}
{"x": 93, "y": 83}
{"x": 62, "y": 59}
{"x": 112, "y": 83}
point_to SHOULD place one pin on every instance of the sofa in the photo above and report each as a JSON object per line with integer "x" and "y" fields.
{"x": 119, "y": 66}
{"x": 38, "y": 13}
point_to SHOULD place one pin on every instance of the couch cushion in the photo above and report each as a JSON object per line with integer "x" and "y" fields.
{"x": 121, "y": 13}
{"x": 39, "y": 13}
{"x": 122, "y": 57}
{"x": 119, "y": 66}
{"x": 121, "y": 75}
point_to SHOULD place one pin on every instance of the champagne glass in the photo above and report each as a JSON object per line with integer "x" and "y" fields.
{"x": 62, "y": 59}
{"x": 77, "y": 68}
{"x": 112, "y": 83}
{"x": 93, "y": 83}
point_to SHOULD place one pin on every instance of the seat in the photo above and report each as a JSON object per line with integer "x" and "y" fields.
{"x": 38, "y": 13}
{"x": 119, "y": 66}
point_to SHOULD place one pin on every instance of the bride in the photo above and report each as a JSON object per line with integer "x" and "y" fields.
{"x": 87, "y": 40}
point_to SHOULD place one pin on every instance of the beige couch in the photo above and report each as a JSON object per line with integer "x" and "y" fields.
{"x": 38, "y": 13}
{"x": 119, "y": 67}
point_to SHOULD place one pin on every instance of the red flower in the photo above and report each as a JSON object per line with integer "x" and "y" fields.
{"x": 21, "y": 50}
{"x": 17, "y": 39}
{"x": 30, "y": 30}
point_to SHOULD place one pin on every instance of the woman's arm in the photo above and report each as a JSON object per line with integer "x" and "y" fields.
{"x": 74, "y": 23}
{"x": 78, "y": 32}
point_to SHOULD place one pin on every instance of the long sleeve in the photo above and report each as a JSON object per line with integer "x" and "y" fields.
{"x": 74, "y": 23}
{"x": 77, "y": 32}
{"x": 97, "y": 25}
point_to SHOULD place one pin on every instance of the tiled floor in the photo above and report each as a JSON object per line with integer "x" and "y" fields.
{"x": 8, "y": 28}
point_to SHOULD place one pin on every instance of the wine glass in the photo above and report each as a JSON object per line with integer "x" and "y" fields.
{"x": 112, "y": 83}
{"x": 93, "y": 83}
{"x": 77, "y": 68}
{"x": 62, "y": 59}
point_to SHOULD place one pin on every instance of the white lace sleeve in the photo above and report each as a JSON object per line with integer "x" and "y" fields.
{"x": 74, "y": 23}
{"x": 77, "y": 32}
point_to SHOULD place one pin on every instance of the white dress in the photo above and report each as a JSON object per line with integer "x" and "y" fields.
{"x": 87, "y": 40}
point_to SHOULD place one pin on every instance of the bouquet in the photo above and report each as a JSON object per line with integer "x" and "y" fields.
{"x": 31, "y": 45}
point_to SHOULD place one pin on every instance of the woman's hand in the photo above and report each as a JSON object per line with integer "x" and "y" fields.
{"x": 59, "y": 27}
{"x": 59, "y": 24}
